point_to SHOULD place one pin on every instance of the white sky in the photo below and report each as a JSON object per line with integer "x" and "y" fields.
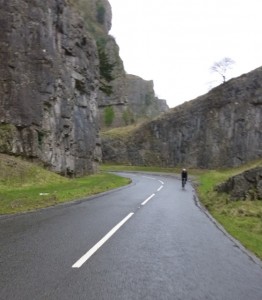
{"x": 175, "y": 42}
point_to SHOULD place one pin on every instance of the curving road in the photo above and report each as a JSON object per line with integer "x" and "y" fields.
{"x": 149, "y": 240}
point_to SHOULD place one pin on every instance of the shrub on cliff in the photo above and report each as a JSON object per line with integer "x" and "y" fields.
{"x": 109, "y": 115}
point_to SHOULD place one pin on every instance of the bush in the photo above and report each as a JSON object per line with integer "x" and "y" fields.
{"x": 109, "y": 115}
{"x": 128, "y": 117}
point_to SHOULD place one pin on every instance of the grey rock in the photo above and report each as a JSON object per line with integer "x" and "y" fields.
{"x": 142, "y": 99}
{"x": 133, "y": 97}
{"x": 244, "y": 186}
{"x": 49, "y": 85}
{"x": 219, "y": 129}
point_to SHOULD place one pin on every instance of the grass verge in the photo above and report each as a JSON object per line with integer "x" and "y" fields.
{"x": 109, "y": 168}
{"x": 26, "y": 187}
{"x": 242, "y": 219}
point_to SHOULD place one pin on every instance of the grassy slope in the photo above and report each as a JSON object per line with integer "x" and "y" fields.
{"x": 25, "y": 186}
{"x": 242, "y": 219}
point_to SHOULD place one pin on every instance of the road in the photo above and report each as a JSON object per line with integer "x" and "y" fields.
{"x": 148, "y": 240}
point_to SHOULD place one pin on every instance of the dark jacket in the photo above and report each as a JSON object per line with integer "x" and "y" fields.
{"x": 184, "y": 175}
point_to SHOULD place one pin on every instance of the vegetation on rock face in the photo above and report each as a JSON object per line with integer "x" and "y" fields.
{"x": 95, "y": 22}
{"x": 106, "y": 69}
{"x": 109, "y": 115}
{"x": 6, "y": 131}
{"x": 128, "y": 117}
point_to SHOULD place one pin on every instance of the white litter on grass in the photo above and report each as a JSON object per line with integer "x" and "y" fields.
{"x": 43, "y": 194}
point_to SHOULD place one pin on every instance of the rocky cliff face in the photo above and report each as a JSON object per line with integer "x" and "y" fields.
{"x": 51, "y": 80}
{"x": 219, "y": 129}
{"x": 117, "y": 101}
{"x": 141, "y": 98}
{"x": 245, "y": 186}
{"x": 48, "y": 86}
{"x": 133, "y": 99}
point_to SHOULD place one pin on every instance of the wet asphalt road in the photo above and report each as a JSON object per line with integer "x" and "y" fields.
{"x": 168, "y": 248}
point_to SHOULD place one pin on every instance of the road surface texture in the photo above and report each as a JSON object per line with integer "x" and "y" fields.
{"x": 149, "y": 240}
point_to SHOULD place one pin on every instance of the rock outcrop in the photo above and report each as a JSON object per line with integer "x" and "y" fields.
{"x": 219, "y": 129}
{"x": 142, "y": 99}
{"x": 133, "y": 99}
{"x": 48, "y": 86}
{"x": 245, "y": 186}
{"x": 117, "y": 101}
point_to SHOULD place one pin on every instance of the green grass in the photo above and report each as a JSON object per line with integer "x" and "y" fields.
{"x": 242, "y": 219}
{"x": 108, "y": 168}
{"x": 248, "y": 230}
{"x": 120, "y": 132}
{"x": 26, "y": 187}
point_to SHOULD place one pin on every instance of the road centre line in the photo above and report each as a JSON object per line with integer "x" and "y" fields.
{"x": 153, "y": 179}
{"x": 143, "y": 203}
{"x": 99, "y": 244}
{"x": 149, "y": 177}
{"x": 90, "y": 252}
{"x": 160, "y": 188}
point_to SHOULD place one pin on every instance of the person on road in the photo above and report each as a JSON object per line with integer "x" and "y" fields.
{"x": 184, "y": 175}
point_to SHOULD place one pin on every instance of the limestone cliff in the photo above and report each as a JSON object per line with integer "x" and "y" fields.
{"x": 244, "y": 186}
{"x": 48, "y": 86}
{"x": 220, "y": 129}
{"x": 131, "y": 97}
{"x": 142, "y": 99}
{"x": 52, "y": 56}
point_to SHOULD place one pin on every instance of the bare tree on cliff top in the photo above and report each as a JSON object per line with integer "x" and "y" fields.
{"x": 222, "y": 67}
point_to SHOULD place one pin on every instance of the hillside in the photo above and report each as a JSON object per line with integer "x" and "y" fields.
{"x": 219, "y": 129}
{"x": 25, "y": 186}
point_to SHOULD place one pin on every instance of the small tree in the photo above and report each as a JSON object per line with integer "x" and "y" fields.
{"x": 109, "y": 115}
{"x": 222, "y": 67}
{"x": 106, "y": 69}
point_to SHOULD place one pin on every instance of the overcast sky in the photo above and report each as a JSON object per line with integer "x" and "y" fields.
{"x": 175, "y": 42}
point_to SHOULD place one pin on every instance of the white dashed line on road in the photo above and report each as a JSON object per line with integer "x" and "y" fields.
{"x": 149, "y": 177}
{"x": 89, "y": 253}
{"x": 143, "y": 203}
{"x": 160, "y": 188}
